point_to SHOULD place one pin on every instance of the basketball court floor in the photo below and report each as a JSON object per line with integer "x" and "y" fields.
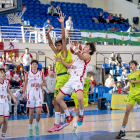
{"x": 97, "y": 123}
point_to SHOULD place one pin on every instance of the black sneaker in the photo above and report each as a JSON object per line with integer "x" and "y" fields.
{"x": 121, "y": 134}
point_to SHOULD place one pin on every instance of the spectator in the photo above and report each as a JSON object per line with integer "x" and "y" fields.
{"x": 1, "y": 63}
{"x": 101, "y": 18}
{"x": 51, "y": 11}
{"x": 9, "y": 61}
{"x": 58, "y": 10}
{"x": 22, "y": 72}
{"x": 122, "y": 20}
{"x": 47, "y": 24}
{"x": 93, "y": 81}
{"x": 116, "y": 18}
{"x": 7, "y": 72}
{"x": 110, "y": 18}
{"x": 95, "y": 20}
{"x": 50, "y": 88}
{"x": 116, "y": 88}
{"x": 16, "y": 62}
{"x": 15, "y": 78}
{"x": 124, "y": 77}
{"x": 100, "y": 84}
{"x": 112, "y": 60}
{"x": 48, "y": 70}
{"x": 69, "y": 28}
{"x": 43, "y": 71}
{"x": 27, "y": 58}
{"x": 132, "y": 29}
{"x": 22, "y": 81}
{"x": 20, "y": 100}
{"x": 109, "y": 81}
{"x": 4, "y": 60}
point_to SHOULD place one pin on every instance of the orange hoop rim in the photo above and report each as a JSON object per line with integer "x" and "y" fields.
{"x": 23, "y": 7}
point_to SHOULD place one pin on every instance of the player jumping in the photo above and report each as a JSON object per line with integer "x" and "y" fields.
{"x": 34, "y": 80}
{"x": 76, "y": 82}
{"x": 62, "y": 76}
{"x": 4, "y": 106}
{"x": 133, "y": 96}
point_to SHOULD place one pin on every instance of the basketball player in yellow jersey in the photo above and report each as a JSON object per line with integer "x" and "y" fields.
{"x": 62, "y": 75}
{"x": 133, "y": 96}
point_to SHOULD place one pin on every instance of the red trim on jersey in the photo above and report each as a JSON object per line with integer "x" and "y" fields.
{"x": 39, "y": 107}
{"x": 30, "y": 55}
{"x": 79, "y": 90}
{"x": 63, "y": 92}
{"x": 33, "y": 72}
{"x": 29, "y": 107}
{"x": 6, "y": 116}
{"x": 22, "y": 55}
{"x": 1, "y": 115}
{"x": 2, "y": 83}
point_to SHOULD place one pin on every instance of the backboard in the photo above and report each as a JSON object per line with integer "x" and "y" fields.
{"x": 10, "y": 6}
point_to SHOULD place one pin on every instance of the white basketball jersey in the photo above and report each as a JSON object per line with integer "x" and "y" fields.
{"x": 8, "y": 73}
{"x": 3, "y": 91}
{"x": 2, "y": 64}
{"x": 34, "y": 92}
{"x": 79, "y": 68}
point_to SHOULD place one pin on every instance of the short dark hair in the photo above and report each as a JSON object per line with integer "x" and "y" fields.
{"x": 92, "y": 47}
{"x": 6, "y": 65}
{"x": 100, "y": 83}
{"x": 51, "y": 69}
{"x": 2, "y": 69}
{"x": 34, "y": 61}
{"x": 58, "y": 41}
{"x": 134, "y": 62}
{"x": 26, "y": 48}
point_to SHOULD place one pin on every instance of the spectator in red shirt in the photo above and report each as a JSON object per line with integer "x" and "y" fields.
{"x": 15, "y": 78}
{"x": 93, "y": 81}
{"x": 26, "y": 59}
{"x": 48, "y": 70}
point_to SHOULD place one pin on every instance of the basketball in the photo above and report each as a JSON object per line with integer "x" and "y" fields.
{"x": 75, "y": 47}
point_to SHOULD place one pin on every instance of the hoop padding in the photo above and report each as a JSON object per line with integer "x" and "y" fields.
{"x": 15, "y": 18}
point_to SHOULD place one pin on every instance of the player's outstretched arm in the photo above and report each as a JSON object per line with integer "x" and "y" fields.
{"x": 59, "y": 59}
{"x": 50, "y": 41}
{"x": 11, "y": 94}
{"x": 86, "y": 57}
{"x": 61, "y": 19}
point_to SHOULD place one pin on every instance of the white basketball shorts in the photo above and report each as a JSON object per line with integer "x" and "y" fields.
{"x": 34, "y": 103}
{"x": 4, "y": 109}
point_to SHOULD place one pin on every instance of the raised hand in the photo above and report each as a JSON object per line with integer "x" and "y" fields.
{"x": 61, "y": 18}
{"x": 50, "y": 27}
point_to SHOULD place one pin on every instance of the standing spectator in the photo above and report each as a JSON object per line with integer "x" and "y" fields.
{"x": 93, "y": 81}
{"x": 124, "y": 77}
{"x": 51, "y": 11}
{"x": 109, "y": 81}
{"x": 101, "y": 18}
{"x": 58, "y": 10}
{"x": 50, "y": 88}
{"x": 43, "y": 71}
{"x": 69, "y": 28}
{"x": 7, "y": 72}
{"x": 15, "y": 77}
{"x": 1, "y": 63}
{"x": 112, "y": 60}
{"x": 47, "y": 24}
{"x": 27, "y": 58}
{"x": 20, "y": 100}
{"x": 48, "y": 70}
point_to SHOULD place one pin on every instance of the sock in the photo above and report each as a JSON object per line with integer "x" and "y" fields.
{"x": 63, "y": 117}
{"x": 3, "y": 135}
{"x": 30, "y": 126}
{"x": 81, "y": 112}
{"x": 67, "y": 112}
{"x": 57, "y": 117}
{"x": 123, "y": 128}
{"x": 37, "y": 123}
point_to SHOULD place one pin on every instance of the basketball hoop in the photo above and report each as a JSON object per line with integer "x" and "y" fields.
{"x": 16, "y": 17}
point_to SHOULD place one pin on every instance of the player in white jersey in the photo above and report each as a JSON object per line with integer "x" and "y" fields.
{"x": 76, "y": 82}
{"x": 4, "y": 106}
{"x": 34, "y": 81}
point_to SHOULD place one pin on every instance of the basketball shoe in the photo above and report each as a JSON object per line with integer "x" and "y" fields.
{"x": 121, "y": 134}
{"x": 80, "y": 120}
{"x": 56, "y": 127}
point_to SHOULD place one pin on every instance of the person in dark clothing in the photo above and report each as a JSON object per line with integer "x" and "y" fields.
{"x": 101, "y": 18}
{"x": 119, "y": 59}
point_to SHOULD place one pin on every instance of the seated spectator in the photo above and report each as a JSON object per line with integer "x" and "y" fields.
{"x": 20, "y": 100}
{"x": 43, "y": 71}
{"x": 100, "y": 84}
{"x": 124, "y": 77}
{"x": 22, "y": 72}
{"x": 15, "y": 78}
{"x": 47, "y": 24}
{"x": 9, "y": 61}
{"x": 7, "y": 73}
{"x": 132, "y": 29}
{"x": 69, "y": 28}
{"x": 22, "y": 81}
{"x": 116, "y": 88}
{"x": 95, "y": 20}
{"x": 112, "y": 60}
{"x": 58, "y": 10}
{"x": 116, "y": 18}
{"x": 1, "y": 63}
{"x": 109, "y": 81}
{"x": 110, "y": 18}
{"x": 101, "y": 18}
{"x": 16, "y": 61}
{"x": 3, "y": 58}
{"x": 48, "y": 70}
{"x": 122, "y": 20}
{"x": 51, "y": 11}
{"x": 93, "y": 81}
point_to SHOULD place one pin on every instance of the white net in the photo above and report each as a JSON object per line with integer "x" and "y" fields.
{"x": 15, "y": 18}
